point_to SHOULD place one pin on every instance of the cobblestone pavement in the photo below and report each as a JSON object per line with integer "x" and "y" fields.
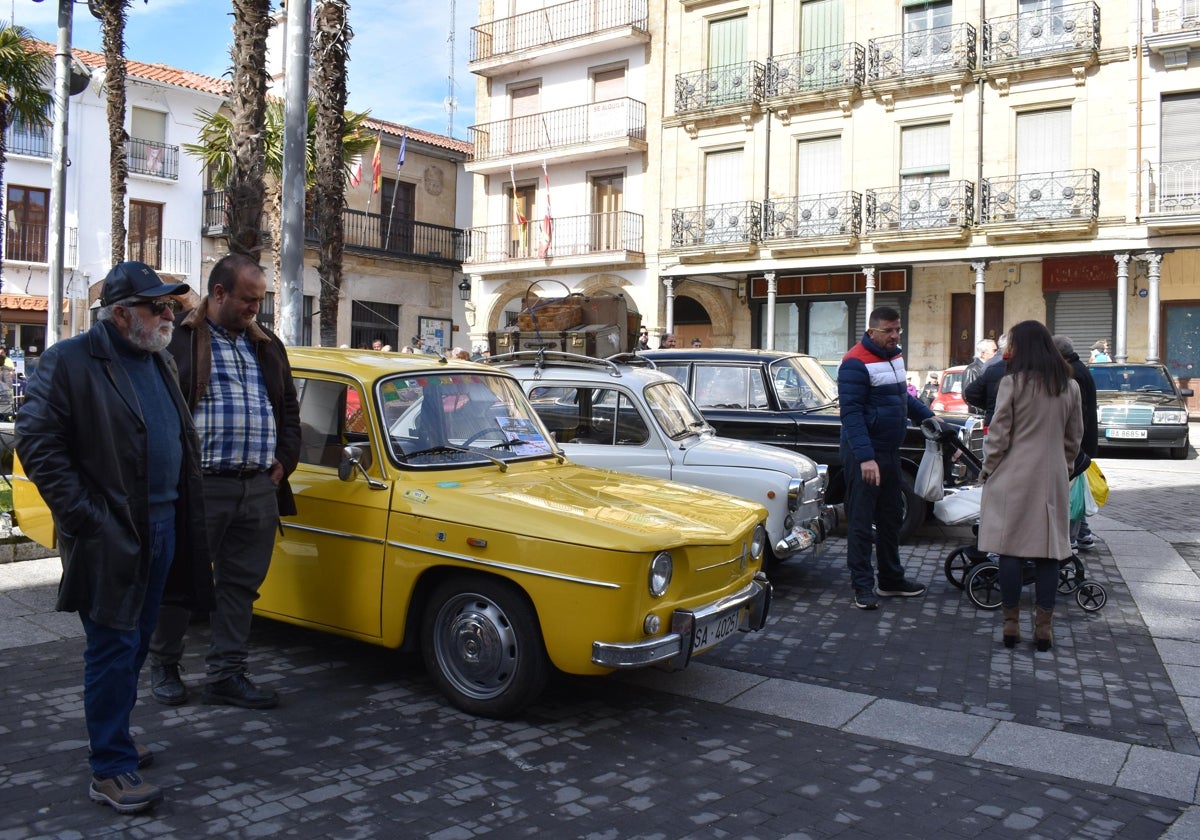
{"x": 362, "y": 746}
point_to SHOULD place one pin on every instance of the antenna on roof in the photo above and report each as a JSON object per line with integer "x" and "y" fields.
{"x": 451, "y": 103}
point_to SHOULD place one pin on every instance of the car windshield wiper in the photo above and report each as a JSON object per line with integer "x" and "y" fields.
{"x": 456, "y": 450}
{"x": 510, "y": 443}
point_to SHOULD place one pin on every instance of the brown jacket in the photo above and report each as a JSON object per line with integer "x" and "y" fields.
{"x": 1028, "y": 453}
{"x": 191, "y": 347}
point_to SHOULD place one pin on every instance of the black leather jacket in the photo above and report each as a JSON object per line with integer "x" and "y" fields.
{"x": 82, "y": 441}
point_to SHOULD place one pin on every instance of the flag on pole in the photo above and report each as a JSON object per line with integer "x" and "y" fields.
{"x": 377, "y": 165}
{"x": 547, "y": 222}
{"x": 403, "y": 143}
{"x": 518, "y": 220}
{"x": 356, "y": 171}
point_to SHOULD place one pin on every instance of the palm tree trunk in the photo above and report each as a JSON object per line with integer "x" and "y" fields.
{"x": 112, "y": 25}
{"x": 331, "y": 42}
{"x": 244, "y": 194}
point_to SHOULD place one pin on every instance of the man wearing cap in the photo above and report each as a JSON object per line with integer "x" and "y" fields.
{"x": 237, "y": 382}
{"x": 107, "y": 439}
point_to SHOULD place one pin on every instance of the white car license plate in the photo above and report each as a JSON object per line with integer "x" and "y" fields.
{"x": 708, "y": 633}
{"x": 1129, "y": 434}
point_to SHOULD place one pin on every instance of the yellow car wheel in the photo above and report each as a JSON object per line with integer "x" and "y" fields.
{"x": 482, "y": 645}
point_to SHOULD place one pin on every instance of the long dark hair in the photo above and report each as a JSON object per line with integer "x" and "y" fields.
{"x": 1032, "y": 353}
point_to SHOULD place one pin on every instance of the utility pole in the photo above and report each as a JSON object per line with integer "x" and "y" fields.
{"x": 289, "y": 314}
{"x": 58, "y": 173}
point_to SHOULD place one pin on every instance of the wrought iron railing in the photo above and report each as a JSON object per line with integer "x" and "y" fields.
{"x": 379, "y": 233}
{"x": 556, "y": 24}
{"x": 370, "y": 233}
{"x": 1174, "y": 16}
{"x": 733, "y": 84}
{"x": 593, "y": 233}
{"x": 147, "y": 157}
{"x": 1175, "y": 187}
{"x": 935, "y": 204}
{"x": 922, "y": 53}
{"x": 173, "y": 256}
{"x": 808, "y": 216}
{"x": 32, "y": 140}
{"x": 1043, "y": 32}
{"x": 844, "y": 65}
{"x": 25, "y": 242}
{"x": 562, "y": 129}
{"x": 1042, "y": 196}
{"x": 716, "y": 224}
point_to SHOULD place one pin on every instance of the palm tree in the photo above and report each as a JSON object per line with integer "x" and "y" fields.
{"x": 26, "y": 72}
{"x": 330, "y": 50}
{"x": 216, "y": 149}
{"x": 244, "y": 186}
{"x": 113, "y": 15}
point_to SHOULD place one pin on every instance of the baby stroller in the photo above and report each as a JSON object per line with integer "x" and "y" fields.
{"x": 978, "y": 572}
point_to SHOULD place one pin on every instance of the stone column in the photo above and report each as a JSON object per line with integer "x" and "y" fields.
{"x": 669, "y": 285}
{"x": 869, "y": 272}
{"x": 772, "y": 291}
{"x": 980, "y": 269}
{"x": 1154, "y": 266}
{"x": 1120, "y": 352}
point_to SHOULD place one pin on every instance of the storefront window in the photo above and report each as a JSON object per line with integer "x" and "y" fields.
{"x": 828, "y": 328}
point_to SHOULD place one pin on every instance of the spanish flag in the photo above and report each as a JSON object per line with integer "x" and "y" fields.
{"x": 377, "y": 165}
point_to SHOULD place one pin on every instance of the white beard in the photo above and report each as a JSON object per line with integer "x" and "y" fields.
{"x": 150, "y": 339}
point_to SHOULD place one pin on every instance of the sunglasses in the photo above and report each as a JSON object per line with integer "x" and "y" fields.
{"x": 157, "y": 307}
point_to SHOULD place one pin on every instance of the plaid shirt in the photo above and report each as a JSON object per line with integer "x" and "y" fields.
{"x": 234, "y": 418}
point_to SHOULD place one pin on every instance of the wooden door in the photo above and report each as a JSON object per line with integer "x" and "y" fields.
{"x": 962, "y": 324}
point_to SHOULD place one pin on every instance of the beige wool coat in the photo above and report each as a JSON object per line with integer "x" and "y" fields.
{"x": 1028, "y": 454}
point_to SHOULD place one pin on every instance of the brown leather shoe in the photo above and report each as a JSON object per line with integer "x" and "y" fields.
{"x": 126, "y": 792}
{"x": 145, "y": 756}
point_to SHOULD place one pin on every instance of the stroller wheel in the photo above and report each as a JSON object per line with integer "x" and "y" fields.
{"x": 1070, "y": 575}
{"x": 1091, "y": 596}
{"x": 958, "y": 563}
{"x": 983, "y": 585}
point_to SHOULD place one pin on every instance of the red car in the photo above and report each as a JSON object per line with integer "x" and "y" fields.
{"x": 948, "y": 399}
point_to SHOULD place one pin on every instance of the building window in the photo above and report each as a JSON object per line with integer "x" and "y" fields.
{"x": 145, "y": 233}
{"x": 924, "y": 163}
{"x": 397, "y": 206}
{"x": 266, "y": 317}
{"x": 26, "y": 224}
{"x": 371, "y": 321}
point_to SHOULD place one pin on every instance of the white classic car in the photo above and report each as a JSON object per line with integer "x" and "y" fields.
{"x": 631, "y": 418}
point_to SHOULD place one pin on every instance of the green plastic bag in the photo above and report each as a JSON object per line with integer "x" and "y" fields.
{"x": 1078, "y": 497}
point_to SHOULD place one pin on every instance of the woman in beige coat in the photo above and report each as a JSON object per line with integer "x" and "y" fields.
{"x": 1030, "y": 448}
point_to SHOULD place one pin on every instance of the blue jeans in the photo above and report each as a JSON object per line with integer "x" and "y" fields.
{"x": 112, "y": 660}
{"x": 880, "y": 505}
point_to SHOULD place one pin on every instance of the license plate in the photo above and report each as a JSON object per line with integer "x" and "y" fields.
{"x": 1128, "y": 434}
{"x": 707, "y": 633}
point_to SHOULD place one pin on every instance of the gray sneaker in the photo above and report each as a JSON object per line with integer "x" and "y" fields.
{"x": 126, "y": 792}
{"x": 904, "y": 589}
{"x": 866, "y": 600}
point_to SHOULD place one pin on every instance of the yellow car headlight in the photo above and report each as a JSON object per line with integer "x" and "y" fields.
{"x": 758, "y": 542}
{"x": 661, "y": 569}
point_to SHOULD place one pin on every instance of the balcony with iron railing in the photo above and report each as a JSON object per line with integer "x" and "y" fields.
{"x": 29, "y": 140}
{"x": 1041, "y": 204}
{"x": 815, "y": 75}
{"x": 925, "y": 55}
{"x": 581, "y": 132}
{"x": 728, "y": 229}
{"x": 564, "y": 30}
{"x": 611, "y": 238}
{"x": 1174, "y": 188}
{"x": 1173, "y": 31}
{"x": 170, "y": 256}
{"x": 30, "y": 243}
{"x": 929, "y": 213}
{"x": 808, "y": 222}
{"x": 365, "y": 233}
{"x": 733, "y": 87}
{"x": 1057, "y": 33}
{"x": 148, "y": 157}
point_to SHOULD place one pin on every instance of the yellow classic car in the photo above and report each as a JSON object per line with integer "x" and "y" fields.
{"x": 436, "y": 512}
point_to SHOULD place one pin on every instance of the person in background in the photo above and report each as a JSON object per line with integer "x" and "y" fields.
{"x": 1081, "y": 534}
{"x": 985, "y": 349}
{"x": 697, "y": 343}
{"x": 643, "y": 340}
{"x": 1032, "y": 442}
{"x": 875, "y": 410}
{"x": 912, "y": 388}
{"x": 667, "y": 341}
{"x": 107, "y": 439}
{"x": 377, "y": 344}
{"x": 1099, "y": 352}
{"x": 238, "y": 384}
{"x": 981, "y": 394}
{"x": 930, "y": 389}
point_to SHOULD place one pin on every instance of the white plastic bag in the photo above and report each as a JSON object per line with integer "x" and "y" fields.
{"x": 931, "y": 473}
{"x": 959, "y": 506}
{"x": 1090, "y": 508}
